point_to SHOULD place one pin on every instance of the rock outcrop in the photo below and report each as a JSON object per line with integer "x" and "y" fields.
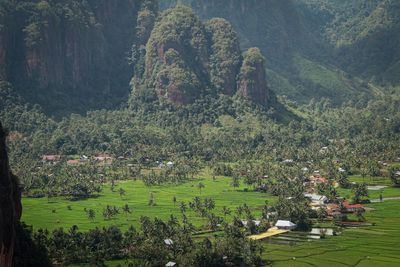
{"x": 177, "y": 57}
{"x": 225, "y": 55}
{"x": 187, "y": 59}
{"x": 10, "y": 206}
{"x": 71, "y": 52}
{"x": 252, "y": 83}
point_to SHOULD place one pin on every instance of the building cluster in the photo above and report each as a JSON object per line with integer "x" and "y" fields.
{"x": 335, "y": 208}
{"x": 100, "y": 158}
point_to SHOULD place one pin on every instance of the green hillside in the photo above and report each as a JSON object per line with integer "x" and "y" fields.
{"x": 343, "y": 37}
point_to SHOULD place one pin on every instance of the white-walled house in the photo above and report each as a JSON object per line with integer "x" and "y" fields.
{"x": 285, "y": 225}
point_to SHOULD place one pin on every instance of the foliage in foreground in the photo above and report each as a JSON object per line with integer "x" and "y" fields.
{"x": 149, "y": 246}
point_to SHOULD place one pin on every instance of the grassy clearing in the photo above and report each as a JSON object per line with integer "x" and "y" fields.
{"x": 368, "y": 246}
{"x": 388, "y": 191}
{"x": 370, "y": 180}
{"x": 39, "y": 212}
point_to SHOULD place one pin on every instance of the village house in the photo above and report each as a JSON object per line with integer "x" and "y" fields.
{"x": 170, "y": 164}
{"x": 315, "y": 197}
{"x": 285, "y": 225}
{"x": 171, "y": 264}
{"x": 168, "y": 242}
{"x": 316, "y": 201}
{"x": 103, "y": 158}
{"x": 51, "y": 159}
{"x": 353, "y": 207}
{"x": 332, "y": 209}
{"x": 73, "y": 162}
{"x": 312, "y": 182}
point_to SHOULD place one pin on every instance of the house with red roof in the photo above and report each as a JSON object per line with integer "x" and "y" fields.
{"x": 103, "y": 158}
{"x": 51, "y": 159}
{"x": 352, "y": 207}
{"x": 73, "y": 162}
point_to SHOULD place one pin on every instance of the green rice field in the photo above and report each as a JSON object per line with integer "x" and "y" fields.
{"x": 58, "y": 212}
{"x": 374, "y": 245}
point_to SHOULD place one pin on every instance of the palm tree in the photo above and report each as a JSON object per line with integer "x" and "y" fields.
{"x": 174, "y": 200}
{"x": 106, "y": 213}
{"x": 213, "y": 221}
{"x": 359, "y": 191}
{"x": 200, "y": 186}
{"x": 91, "y": 214}
{"x": 239, "y": 211}
{"x": 151, "y": 200}
{"x": 121, "y": 192}
{"x": 126, "y": 209}
{"x": 182, "y": 207}
{"x": 235, "y": 181}
{"x": 226, "y": 211}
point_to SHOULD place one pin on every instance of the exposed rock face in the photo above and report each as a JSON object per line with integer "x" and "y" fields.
{"x": 252, "y": 83}
{"x": 2, "y": 49}
{"x": 184, "y": 57}
{"x": 73, "y": 52}
{"x": 10, "y": 206}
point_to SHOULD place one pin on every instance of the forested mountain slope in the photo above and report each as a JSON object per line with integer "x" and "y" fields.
{"x": 74, "y": 56}
{"x": 186, "y": 60}
{"x": 316, "y": 48}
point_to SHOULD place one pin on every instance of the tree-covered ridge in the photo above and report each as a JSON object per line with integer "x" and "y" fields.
{"x": 80, "y": 55}
{"x": 176, "y": 56}
{"x": 355, "y": 41}
{"x": 370, "y": 46}
{"x": 363, "y": 35}
{"x": 187, "y": 59}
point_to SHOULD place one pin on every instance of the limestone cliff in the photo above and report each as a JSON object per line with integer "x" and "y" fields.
{"x": 252, "y": 83}
{"x": 70, "y": 54}
{"x": 10, "y": 206}
{"x": 186, "y": 59}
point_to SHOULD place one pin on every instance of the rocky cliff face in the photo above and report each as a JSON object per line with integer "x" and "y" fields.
{"x": 252, "y": 83}
{"x": 72, "y": 52}
{"x": 186, "y": 59}
{"x": 10, "y": 206}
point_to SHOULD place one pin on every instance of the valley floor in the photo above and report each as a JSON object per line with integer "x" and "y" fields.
{"x": 375, "y": 245}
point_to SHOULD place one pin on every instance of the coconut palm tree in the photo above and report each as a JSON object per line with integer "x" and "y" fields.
{"x": 200, "y": 186}
{"x": 121, "y": 192}
{"x": 126, "y": 209}
{"x": 226, "y": 211}
{"x": 91, "y": 214}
